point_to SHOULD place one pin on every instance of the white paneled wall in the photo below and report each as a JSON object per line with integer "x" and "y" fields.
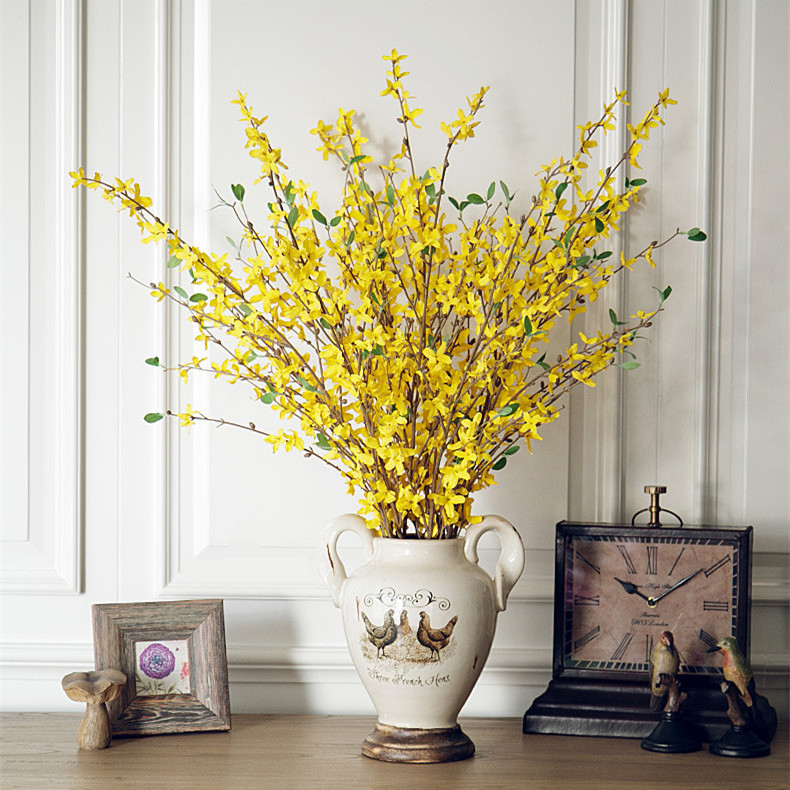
{"x": 98, "y": 506}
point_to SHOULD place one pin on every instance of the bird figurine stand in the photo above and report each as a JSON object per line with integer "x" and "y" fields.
{"x": 753, "y": 718}
{"x": 671, "y": 735}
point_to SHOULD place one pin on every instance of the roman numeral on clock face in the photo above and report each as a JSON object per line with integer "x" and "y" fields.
{"x": 585, "y": 600}
{"x": 705, "y": 637}
{"x": 584, "y": 559}
{"x": 720, "y": 564}
{"x": 652, "y": 560}
{"x": 588, "y": 637}
{"x": 677, "y": 560}
{"x": 716, "y": 606}
{"x": 622, "y": 647}
{"x": 648, "y": 646}
{"x": 626, "y": 558}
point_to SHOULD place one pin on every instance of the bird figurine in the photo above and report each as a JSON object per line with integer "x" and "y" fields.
{"x": 435, "y": 639}
{"x": 736, "y": 668}
{"x": 664, "y": 660}
{"x": 383, "y": 635}
{"x": 745, "y": 707}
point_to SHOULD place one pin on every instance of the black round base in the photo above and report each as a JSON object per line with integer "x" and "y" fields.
{"x": 740, "y": 742}
{"x": 672, "y": 736}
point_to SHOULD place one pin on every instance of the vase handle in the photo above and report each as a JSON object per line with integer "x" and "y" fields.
{"x": 511, "y": 559}
{"x": 331, "y": 566}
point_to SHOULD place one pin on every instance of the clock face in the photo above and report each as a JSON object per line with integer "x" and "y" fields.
{"x": 622, "y": 590}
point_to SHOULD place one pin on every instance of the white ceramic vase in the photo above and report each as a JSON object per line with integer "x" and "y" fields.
{"x": 419, "y": 618}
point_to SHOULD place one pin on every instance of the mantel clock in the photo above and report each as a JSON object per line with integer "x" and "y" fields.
{"x": 617, "y": 588}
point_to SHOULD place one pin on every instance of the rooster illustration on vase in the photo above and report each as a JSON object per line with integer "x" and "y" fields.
{"x": 435, "y": 639}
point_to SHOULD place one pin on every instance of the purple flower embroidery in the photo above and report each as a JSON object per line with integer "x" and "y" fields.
{"x": 157, "y": 661}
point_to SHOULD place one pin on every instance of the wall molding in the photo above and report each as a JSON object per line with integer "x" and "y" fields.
{"x": 35, "y": 667}
{"x": 50, "y": 559}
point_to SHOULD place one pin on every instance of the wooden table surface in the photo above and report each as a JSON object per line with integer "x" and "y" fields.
{"x": 39, "y": 751}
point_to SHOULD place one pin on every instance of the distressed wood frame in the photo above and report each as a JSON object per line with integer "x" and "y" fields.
{"x": 116, "y": 628}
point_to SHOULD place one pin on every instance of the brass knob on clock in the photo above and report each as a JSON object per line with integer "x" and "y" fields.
{"x": 655, "y": 507}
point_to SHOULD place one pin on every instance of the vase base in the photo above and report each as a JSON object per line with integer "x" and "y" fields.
{"x": 403, "y": 745}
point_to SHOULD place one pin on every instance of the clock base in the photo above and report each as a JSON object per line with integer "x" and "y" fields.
{"x": 618, "y": 710}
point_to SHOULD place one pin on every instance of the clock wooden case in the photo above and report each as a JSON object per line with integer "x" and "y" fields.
{"x": 617, "y": 588}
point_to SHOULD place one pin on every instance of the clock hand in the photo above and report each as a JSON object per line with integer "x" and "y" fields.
{"x": 632, "y": 589}
{"x": 667, "y": 592}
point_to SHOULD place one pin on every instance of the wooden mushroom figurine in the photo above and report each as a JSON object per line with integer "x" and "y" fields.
{"x": 94, "y": 689}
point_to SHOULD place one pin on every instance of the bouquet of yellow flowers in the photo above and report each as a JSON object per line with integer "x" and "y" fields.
{"x": 407, "y": 333}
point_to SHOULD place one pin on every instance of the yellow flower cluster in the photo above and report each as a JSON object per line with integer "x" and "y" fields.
{"x": 407, "y": 345}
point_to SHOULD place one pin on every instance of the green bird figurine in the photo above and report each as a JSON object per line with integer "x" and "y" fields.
{"x": 736, "y": 667}
{"x": 664, "y": 660}
{"x": 757, "y": 713}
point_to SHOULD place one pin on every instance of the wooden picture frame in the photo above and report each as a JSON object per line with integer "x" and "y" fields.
{"x": 173, "y": 656}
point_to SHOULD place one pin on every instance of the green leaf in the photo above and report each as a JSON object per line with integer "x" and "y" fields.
{"x": 390, "y": 194}
{"x": 512, "y": 450}
{"x": 306, "y": 384}
{"x": 334, "y": 222}
{"x": 613, "y": 317}
{"x": 323, "y": 442}
{"x": 152, "y": 361}
{"x": 358, "y": 158}
{"x": 231, "y": 242}
{"x": 325, "y": 323}
{"x": 542, "y": 362}
{"x": 630, "y": 365}
{"x": 695, "y": 234}
{"x": 318, "y": 216}
{"x": 491, "y": 190}
{"x": 454, "y": 203}
{"x": 268, "y": 397}
{"x": 172, "y": 262}
{"x": 245, "y": 309}
{"x": 238, "y": 191}
{"x": 566, "y": 239}
{"x": 560, "y": 189}
{"x": 599, "y": 226}
{"x": 198, "y": 298}
{"x": 180, "y": 291}
{"x": 293, "y": 215}
{"x": 602, "y": 256}
{"x": 582, "y": 261}
{"x": 638, "y": 182}
{"x": 663, "y": 295}
{"x": 475, "y": 198}
{"x": 507, "y": 411}
{"x": 527, "y": 326}
{"x": 603, "y": 206}
{"x": 506, "y": 193}
{"x": 153, "y": 416}
{"x": 350, "y": 239}
{"x": 500, "y": 464}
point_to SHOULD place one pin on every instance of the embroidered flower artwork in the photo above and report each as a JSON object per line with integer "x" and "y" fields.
{"x": 162, "y": 668}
